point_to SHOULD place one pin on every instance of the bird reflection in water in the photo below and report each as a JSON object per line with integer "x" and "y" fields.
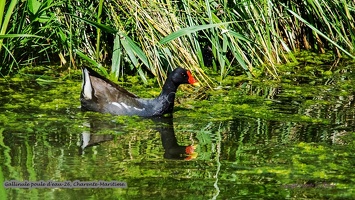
{"x": 164, "y": 125}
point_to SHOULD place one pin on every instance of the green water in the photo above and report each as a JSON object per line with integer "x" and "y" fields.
{"x": 287, "y": 139}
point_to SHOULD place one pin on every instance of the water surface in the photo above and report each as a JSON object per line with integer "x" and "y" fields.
{"x": 285, "y": 139}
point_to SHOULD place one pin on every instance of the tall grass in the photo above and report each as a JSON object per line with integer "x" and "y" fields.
{"x": 6, "y": 12}
{"x": 26, "y": 32}
{"x": 152, "y": 37}
{"x": 43, "y": 32}
{"x": 251, "y": 34}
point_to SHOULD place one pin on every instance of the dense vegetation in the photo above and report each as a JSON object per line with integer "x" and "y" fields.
{"x": 228, "y": 37}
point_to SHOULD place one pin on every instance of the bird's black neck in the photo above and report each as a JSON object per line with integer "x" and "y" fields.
{"x": 167, "y": 96}
{"x": 169, "y": 87}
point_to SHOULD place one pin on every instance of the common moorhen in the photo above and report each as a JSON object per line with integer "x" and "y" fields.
{"x": 102, "y": 95}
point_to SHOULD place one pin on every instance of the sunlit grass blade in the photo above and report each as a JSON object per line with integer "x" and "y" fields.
{"x": 9, "y": 12}
{"x": 4, "y": 20}
{"x": 189, "y": 30}
{"x": 18, "y": 35}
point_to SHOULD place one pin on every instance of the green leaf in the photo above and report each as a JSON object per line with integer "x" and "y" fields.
{"x": 116, "y": 56}
{"x": 85, "y": 57}
{"x": 33, "y": 6}
{"x": 137, "y": 50}
{"x": 18, "y": 35}
{"x": 132, "y": 50}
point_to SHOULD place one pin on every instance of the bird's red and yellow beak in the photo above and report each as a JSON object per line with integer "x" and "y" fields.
{"x": 190, "y": 151}
{"x": 192, "y": 80}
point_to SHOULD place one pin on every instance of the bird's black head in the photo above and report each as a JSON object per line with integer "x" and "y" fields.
{"x": 182, "y": 76}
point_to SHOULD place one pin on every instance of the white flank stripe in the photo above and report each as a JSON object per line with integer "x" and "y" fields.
{"x": 87, "y": 85}
{"x": 139, "y": 109}
{"x": 116, "y": 104}
{"x": 123, "y": 105}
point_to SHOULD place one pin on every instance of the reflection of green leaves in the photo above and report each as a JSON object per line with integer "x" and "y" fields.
{"x": 318, "y": 160}
{"x": 3, "y": 192}
{"x": 243, "y": 133}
